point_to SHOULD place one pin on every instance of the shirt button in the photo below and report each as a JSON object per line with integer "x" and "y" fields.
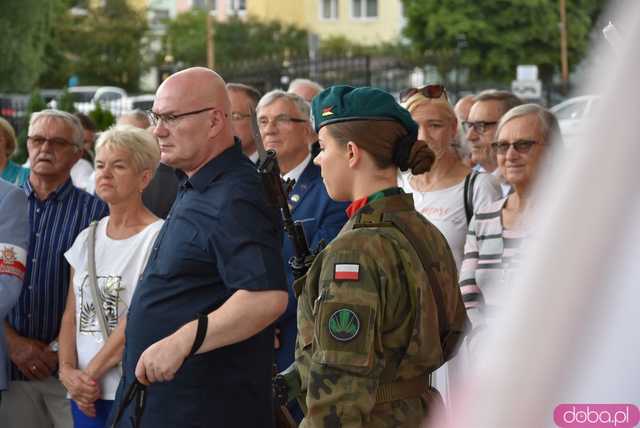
{"x": 34, "y": 260}
{"x": 29, "y": 316}
{"x": 38, "y": 235}
{"x": 37, "y": 210}
{"x": 30, "y": 288}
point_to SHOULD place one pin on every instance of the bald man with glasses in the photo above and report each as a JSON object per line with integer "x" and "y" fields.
{"x": 199, "y": 333}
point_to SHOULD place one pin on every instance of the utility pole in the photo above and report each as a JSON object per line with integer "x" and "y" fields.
{"x": 563, "y": 47}
{"x": 210, "y": 35}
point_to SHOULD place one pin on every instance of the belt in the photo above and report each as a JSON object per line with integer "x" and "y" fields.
{"x": 403, "y": 389}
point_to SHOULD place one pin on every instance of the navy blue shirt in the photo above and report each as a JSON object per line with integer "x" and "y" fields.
{"x": 219, "y": 237}
{"x": 54, "y": 224}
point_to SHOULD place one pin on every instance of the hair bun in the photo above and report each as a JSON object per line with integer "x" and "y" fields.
{"x": 421, "y": 158}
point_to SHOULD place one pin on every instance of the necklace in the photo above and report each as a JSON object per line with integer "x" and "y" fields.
{"x": 421, "y": 184}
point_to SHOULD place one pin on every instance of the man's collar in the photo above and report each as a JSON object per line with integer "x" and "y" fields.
{"x": 254, "y": 157}
{"x": 296, "y": 172}
{"x": 60, "y": 193}
{"x": 212, "y": 169}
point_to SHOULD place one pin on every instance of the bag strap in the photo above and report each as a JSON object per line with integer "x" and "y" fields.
{"x": 93, "y": 281}
{"x": 469, "y": 182}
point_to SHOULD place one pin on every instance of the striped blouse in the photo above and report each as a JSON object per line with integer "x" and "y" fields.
{"x": 492, "y": 255}
{"x": 54, "y": 224}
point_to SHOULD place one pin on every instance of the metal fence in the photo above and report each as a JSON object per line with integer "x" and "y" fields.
{"x": 391, "y": 74}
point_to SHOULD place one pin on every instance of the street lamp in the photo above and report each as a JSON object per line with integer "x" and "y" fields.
{"x": 210, "y": 35}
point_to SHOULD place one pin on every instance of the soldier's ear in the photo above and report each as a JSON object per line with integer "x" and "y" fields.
{"x": 353, "y": 154}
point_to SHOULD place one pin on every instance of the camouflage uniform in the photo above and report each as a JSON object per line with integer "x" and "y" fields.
{"x": 378, "y": 326}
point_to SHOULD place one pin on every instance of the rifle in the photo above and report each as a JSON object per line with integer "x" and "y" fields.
{"x": 277, "y": 190}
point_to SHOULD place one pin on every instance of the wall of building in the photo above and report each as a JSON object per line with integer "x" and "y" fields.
{"x": 386, "y": 27}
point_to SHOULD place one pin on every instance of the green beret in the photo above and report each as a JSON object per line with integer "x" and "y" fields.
{"x": 343, "y": 103}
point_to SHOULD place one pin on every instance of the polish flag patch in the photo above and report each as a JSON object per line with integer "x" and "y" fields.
{"x": 346, "y": 272}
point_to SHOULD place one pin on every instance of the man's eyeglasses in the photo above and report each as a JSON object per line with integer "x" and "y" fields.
{"x": 235, "y": 116}
{"x": 38, "y": 141}
{"x": 279, "y": 121}
{"x": 479, "y": 127}
{"x": 521, "y": 146}
{"x": 428, "y": 91}
{"x": 170, "y": 119}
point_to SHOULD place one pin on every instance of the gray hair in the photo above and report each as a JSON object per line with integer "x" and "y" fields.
{"x": 77, "y": 132}
{"x": 307, "y": 82}
{"x": 506, "y": 98}
{"x": 140, "y": 143}
{"x": 249, "y": 91}
{"x": 270, "y": 97}
{"x": 137, "y": 116}
{"x": 546, "y": 119}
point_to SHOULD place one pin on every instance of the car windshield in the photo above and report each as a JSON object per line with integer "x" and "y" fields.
{"x": 82, "y": 97}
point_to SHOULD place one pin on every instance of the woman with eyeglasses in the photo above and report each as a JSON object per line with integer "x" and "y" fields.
{"x": 380, "y": 308}
{"x": 126, "y": 159}
{"x": 492, "y": 252}
{"x": 448, "y": 193}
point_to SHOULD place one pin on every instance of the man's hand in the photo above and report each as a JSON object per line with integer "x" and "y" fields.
{"x": 160, "y": 361}
{"x": 82, "y": 388}
{"x": 32, "y": 357}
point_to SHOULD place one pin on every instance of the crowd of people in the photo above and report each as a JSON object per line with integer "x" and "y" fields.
{"x": 146, "y": 280}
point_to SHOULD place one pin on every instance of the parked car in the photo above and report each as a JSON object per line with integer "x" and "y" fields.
{"x": 13, "y": 107}
{"x": 572, "y": 116}
{"x": 85, "y": 98}
{"x": 142, "y": 102}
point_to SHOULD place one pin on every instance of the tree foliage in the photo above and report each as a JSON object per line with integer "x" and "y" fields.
{"x": 234, "y": 40}
{"x": 491, "y": 37}
{"x": 102, "y": 48}
{"x": 24, "y": 29}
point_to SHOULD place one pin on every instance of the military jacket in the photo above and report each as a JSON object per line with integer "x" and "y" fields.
{"x": 367, "y": 317}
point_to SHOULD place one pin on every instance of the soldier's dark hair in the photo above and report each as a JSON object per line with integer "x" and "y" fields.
{"x": 507, "y": 99}
{"x": 378, "y": 137}
{"x": 249, "y": 91}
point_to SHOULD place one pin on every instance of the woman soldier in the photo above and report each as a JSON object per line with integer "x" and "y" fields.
{"x": 379, "y": 309}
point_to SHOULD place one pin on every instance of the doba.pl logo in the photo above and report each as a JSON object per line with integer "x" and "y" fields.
{"x": 596, "y": 415}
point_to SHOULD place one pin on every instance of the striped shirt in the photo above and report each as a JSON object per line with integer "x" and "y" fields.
{"x": 54, "y": 224}
{"x": 491, "y": 257}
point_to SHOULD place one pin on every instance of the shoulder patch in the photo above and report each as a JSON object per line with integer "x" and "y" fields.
{"x": 344, "y": 325}
{"x": 12, "y": 260}
{"x": 346, "y": 272}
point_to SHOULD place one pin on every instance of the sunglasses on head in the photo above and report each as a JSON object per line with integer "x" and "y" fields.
{"x": 521, "y": 146}
{"x": 428, "y": 91}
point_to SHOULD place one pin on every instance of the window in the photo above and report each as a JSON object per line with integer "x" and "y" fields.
{"x": 329, "y": 9}
{"x": 237, "y": 6}
{"x": 364, "y": 9}
{"x": 158, "y": 18}
{"x": 204, "y": 4}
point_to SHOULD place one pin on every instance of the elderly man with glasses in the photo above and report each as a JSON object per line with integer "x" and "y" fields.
{"x": 199, "y": 332}
{"x": 57, "y": 212}
{"x": 480, "y": 128}
{"x": 284, "y": 122}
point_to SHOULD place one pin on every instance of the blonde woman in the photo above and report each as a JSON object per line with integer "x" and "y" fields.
{"x": 439, "y": 194}
{"x": 126, "y": 160}
{"x": 9, "y": 170}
